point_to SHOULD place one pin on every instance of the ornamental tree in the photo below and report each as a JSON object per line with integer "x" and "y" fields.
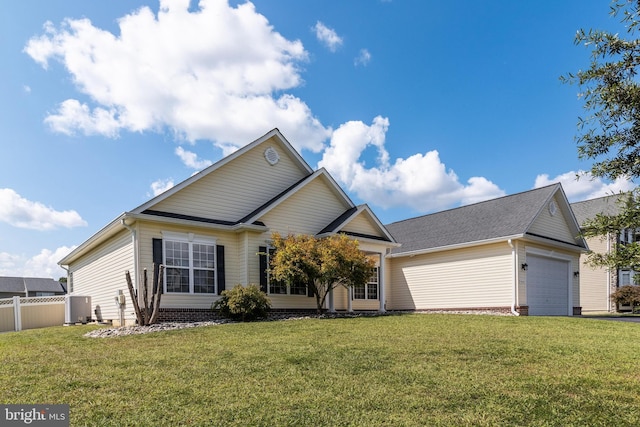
{"x": 322, "y": 264}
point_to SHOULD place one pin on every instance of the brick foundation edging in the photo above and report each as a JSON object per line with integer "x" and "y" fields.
{"x": 205, "y": 314}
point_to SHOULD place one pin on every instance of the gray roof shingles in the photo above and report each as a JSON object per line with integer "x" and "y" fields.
{"x": 33, "y": 284}
{"x": 588, "y": 209}
{"x": 502, "y": 217}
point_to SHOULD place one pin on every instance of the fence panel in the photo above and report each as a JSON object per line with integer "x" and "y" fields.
{"x": 7, "y": 322}
{"x": 29, "y": 313}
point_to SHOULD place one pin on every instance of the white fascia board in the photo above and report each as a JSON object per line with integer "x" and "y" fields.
{"x": 199, "y": 224}
{"x": 107, "y": 231}
{"x": 556, "y": 243}
{"x": 452, "y": 247}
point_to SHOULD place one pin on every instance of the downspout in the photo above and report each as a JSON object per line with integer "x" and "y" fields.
{"x": 514, "y": 268}
{"x": 135, "y": 252}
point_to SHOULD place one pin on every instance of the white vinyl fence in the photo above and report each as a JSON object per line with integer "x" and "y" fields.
{"x": 20, "y": 313}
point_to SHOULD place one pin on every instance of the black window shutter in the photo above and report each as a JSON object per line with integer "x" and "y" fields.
{"x": 263, "y": 268}
{"x": 157, "y": 258}
{"x": 220, "y": 267}
{"x": 309, "y": 290}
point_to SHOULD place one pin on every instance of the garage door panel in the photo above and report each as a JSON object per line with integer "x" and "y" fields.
{"x": 547, "y": 286}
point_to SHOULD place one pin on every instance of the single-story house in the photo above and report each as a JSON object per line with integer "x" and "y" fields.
{"x": 211, "y": 230}
{"x": 519, "y": 253}
{"x": 598, "y": 283}
{"x": 30, "y": 287}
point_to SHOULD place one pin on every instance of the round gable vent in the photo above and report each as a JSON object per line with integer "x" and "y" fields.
{"x": 553, "y": 208}
{"x": 271, "y": 155}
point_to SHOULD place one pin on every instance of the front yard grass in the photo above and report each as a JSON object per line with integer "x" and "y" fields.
{"x": 405, "y": 370}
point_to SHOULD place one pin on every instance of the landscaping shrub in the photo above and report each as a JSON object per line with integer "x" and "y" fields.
{"x": 243, "y": 303}
{"x": 627, "y": 295}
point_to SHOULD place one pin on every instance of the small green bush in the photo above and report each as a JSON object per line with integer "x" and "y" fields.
{"x": 243, "y": 303}
{"x": 627, "y": 295}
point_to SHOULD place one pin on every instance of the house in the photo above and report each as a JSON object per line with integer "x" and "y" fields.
{"x": 598, "y": 283}
{"x": 212, "y": 231}
{"x": 519, "y": 253}
{"x": 29, "y": 287}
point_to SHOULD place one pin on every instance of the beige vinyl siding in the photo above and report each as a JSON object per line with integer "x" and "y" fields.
{"x": 595, "y": 281}
{"x": 554, "y": 226}
{"x": 101, "y": 273}
{"x": 147, "y": 231}
{"x": 307, "y": 211}
{"x": 481, "y": 276}
{"x": 236, "y": 188}
{"x": 363, "y": 224}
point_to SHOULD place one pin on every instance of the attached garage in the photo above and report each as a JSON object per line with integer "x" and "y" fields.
{"x": 514, "y": 254}
{"x": 548, "y": 286}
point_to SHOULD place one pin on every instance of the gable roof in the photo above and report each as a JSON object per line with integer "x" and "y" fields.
{"x": 498, "y": 219}
{"x": 250, "y": 221}
{"x": 343, "y": 220}
{"x": 588, "y": 209}
{"x": 29, "y": 284}
{"x": 273, "y": 134}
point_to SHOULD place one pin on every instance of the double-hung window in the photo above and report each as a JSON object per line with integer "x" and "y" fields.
{"x": 190, "y": 264}
{"x": 368, "y": 290}
{"x": 277, "y": 287}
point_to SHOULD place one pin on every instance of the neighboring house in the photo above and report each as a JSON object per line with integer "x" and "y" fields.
{"x": 212, "y": 231}
{"x": 518, "y": 253}
{"x": 597, "y": 283}
{"x": 29, "y": 287}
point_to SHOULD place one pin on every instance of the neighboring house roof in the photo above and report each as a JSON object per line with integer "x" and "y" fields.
{"x": 607, "y": 205}
{"x": 29, "y": 284}
{"x": 492, "y": 220}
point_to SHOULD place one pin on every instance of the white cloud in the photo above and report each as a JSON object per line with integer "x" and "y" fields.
{"x": 218, "y": 73}
{"x": 363, "y": 58}
{"x": 582, "y": 185}
{"x": 161, "y": 185}
{"x": 327, "y": 36}
{"x": 44, "y": 264}
{"x": 190, "y": 159}
{"x": 22, "y": 213}
{"x": 420, "y": 182}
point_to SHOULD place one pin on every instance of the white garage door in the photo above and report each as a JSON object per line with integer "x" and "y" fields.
{"x": 547, "y": 286}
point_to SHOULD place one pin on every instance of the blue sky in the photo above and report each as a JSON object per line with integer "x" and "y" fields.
{"x": 413, "y": 106}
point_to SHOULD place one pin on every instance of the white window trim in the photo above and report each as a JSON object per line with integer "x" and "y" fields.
{"x": 191, "y": 239}
{"x": 366, "y": 289}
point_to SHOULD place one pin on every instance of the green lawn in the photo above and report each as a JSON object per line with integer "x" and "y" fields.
{"x": 404, "y": 370}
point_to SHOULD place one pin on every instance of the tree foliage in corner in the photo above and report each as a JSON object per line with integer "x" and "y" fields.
{"x": 609, "y": 134}
{"x": 321, "y": 264}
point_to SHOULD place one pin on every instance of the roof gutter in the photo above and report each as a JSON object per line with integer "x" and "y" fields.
{"x": 514, "y": 265}
{"x": 452, "y": 247}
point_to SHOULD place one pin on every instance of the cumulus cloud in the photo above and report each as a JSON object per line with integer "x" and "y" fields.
{"x": 191, "y": 160}
{"x": 160, "y": 186}
{"x": 22, "y": 213}
{"x": 363, "y": 58}
{"x": 327, "y": 36}
{"x": 582, "y": 185}
{"x": 43, "y": 264}
{"x": 421, "y": 182}
{"x": 217, "y": 73}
